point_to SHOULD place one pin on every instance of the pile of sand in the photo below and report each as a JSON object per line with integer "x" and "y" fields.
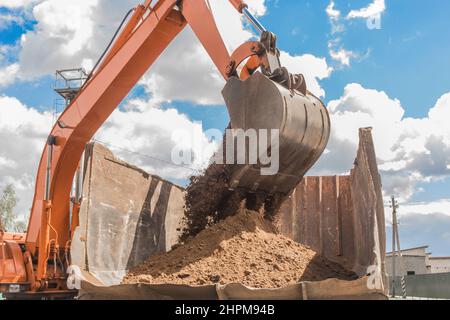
{"x": 243, "y": 248}
{"x": 209, "y": 199}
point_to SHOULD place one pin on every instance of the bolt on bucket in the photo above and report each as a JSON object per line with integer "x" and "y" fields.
{"x": 296, "y": 128}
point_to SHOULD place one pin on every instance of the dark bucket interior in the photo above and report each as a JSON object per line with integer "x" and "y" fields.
{"x": 296, "y": 128}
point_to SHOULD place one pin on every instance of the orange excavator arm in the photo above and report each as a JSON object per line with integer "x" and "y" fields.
{"x": 147, "y": 33}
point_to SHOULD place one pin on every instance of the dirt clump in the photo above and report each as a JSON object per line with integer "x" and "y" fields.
{"x": 209, "y": 200}
{"x": 206, "y": 196}
{"x": 244, "y": 248}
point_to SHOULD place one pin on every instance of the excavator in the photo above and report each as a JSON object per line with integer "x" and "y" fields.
{"x": 259, "y": 94}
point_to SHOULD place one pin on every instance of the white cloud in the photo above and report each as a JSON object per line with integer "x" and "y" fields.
{"x": 375, "y": 103}
{"x": 8, "y": 74}
{"x": 331, "y": 11}
{"x": 336, "y": 48}
{"x": 187, "y": 59}
{"x": 334, "y": 17}
{"x": 375, "y": 8}
{"x": 22, "y": 134}
{"x": 184, "y": 72}
{"x": 15, "y": 4}
{"x": 422, "y": 229}
{"x": 5, "y": 51}
{"x": 67, "y": 34}
{"x": 427, "y": 208}
{"x": 313, "y": 68}
{"x": 144, "y": 131}
{"x": 6, "y": 20}
{"x": 342, "y": 56}
{"x": 409, "y": 150}
{"x": 8, "y": 70}
{"x": 140, "y": 134}
{"x": 257, "y": 7}
{"x": 71, "y": 34}
{"x": 441, "y": 112}
{"x": 67, "y": 19}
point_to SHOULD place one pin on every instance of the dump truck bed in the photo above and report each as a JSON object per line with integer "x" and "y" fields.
{"x": 325, "y": 213}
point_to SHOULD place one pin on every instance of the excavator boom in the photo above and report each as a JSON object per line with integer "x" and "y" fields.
{"x": 270, "y": 98}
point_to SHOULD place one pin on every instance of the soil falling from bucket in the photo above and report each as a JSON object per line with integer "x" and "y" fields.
{"x": 244, "y": 248}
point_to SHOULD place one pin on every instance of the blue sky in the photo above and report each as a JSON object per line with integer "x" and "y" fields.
{"x": 402, "y": 67}
{"x": 408, "y": 54}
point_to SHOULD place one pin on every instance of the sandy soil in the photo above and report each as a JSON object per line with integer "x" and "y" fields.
{"x": 244, "y": 248}
{"x": 209, "y": 199}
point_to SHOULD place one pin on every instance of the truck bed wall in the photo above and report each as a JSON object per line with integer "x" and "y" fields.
{"x": 128, "y": 215}
{"x": 341, "y": 217}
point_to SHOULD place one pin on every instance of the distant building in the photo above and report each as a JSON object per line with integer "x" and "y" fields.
{"x": 413, "y": 261}
{"x": 417, "y": 261}
{"x": 439, "y": 264}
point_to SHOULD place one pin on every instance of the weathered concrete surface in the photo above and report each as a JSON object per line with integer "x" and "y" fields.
{"x": 126, "y": 216}
{"x": 342, "y": 217}
{"x": 435, "y": 285}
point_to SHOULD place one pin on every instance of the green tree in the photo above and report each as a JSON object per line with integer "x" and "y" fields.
{"x": 20, "y": 227}
{"x": 8, "y": 201}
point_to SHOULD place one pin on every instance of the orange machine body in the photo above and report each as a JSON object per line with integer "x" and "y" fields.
{"x": 39, "y": 259}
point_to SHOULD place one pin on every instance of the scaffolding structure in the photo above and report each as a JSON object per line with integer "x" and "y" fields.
{"x": 68, "y": 83}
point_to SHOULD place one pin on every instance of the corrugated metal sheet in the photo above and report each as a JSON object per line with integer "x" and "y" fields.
{"x": 341, "y": 217}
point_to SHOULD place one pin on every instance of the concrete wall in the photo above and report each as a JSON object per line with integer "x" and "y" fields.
{"x": 407, "y": 263}
{"x": 426, "y": 286}
{"x": 439, "y": 264}
{"x": 415, "y": 251}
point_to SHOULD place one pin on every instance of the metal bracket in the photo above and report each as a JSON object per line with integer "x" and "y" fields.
{"x": 51, "y": 141}
{"x": 269, "y": 40}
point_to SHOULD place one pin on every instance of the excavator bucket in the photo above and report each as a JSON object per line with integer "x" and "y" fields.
{"x": 302, "y": 123}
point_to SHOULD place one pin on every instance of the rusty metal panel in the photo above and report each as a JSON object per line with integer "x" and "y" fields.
{"x": 346, "y": 213}
{"x": 367, "y": 200}
{"x": 330, "y": 217}
{"x": 312, "y": 213}
{"x": 126, "y": 216}
{"x": 342, "y": 217}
